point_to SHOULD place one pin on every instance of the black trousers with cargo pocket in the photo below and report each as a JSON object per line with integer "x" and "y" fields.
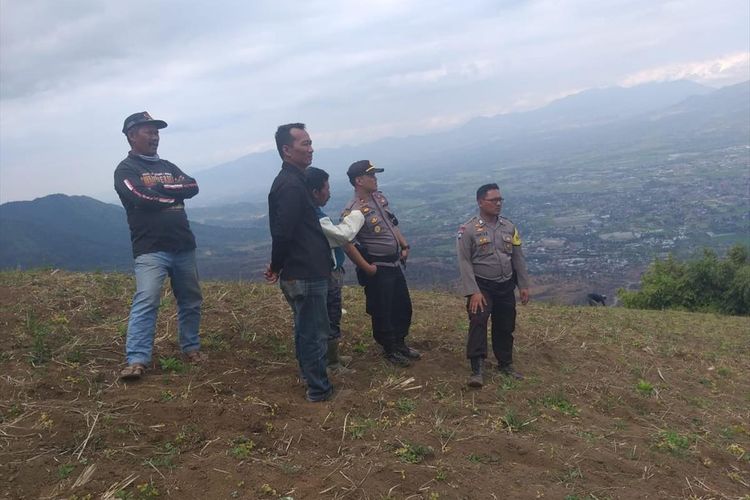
{"x": 389, "y": 305}
{"x": 501, "y": 308}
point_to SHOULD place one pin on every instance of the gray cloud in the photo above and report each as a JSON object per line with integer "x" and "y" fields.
{"x": 225, "y": 73}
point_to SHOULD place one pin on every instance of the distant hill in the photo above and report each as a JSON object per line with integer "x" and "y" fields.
{"x": 81, "y": 233}
{"x": 73, "y": 232}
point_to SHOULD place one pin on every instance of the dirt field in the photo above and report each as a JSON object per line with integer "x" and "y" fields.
{"x": 615, "y": 404}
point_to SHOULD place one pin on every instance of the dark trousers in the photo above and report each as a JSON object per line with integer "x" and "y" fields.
{"x": 389, "y": 305}
{"x": 501, "y": 306}
{"x": 333, "y": 301}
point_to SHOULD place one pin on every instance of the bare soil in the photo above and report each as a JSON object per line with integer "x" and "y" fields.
{"x": 615, "y": 403}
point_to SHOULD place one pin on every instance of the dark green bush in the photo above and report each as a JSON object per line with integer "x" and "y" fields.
{"x": 706, "y": 284}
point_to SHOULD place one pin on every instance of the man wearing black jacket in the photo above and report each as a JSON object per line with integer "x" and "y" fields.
{"x": 152, "y": 191}
{"x": 301, "y": 258}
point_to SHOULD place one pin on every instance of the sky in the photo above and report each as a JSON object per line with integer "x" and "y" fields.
{"x": 224, "y": 74}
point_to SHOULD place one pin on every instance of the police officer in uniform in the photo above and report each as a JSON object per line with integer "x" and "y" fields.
{"x": 491, "y": 264}
{"x": 384, "y": 247}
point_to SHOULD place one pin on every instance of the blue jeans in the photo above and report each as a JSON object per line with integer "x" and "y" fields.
{"x": 308, "y": 301}
{"x": 150, "y": 271}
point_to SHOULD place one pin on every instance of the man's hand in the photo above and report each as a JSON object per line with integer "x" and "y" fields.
{"x": 271, "y": 277}
{"x": 477, "y": 302}
{"x": 404, "y": 254}
{"x": 371, "y": 269}
{"x": 524, "y": 292}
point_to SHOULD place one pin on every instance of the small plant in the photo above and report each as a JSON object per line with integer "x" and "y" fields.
{"x": 13, "y": 412}
{"x": 266, "y": 490}
{"x": 278, "y": 347}
{"x": 723, "y": 371}
{"x": 64, "y": 471}
{"x": 672, "y": 442}
{"x": 738, "y": 451}
{"x": 74, "y": 356}
{"x": 164, "y": 458}
{"x": 359, "y": 427}
{"x": 511, "y": 420}
{"x": 441, "y": 475}
{"x": 147, "y": 490}
{"x": 508, "y": 384}
{"x": 442, "y": 391}
{"x": 172, "y": 365}
{"x": 406, "y": 406}
{"x": 413, "y": 453}
{"x": 571, "y": 475}
{"x": 560, "y": 403}
{"x": 215, "y": 341}
{"x": 241, "y": 447}
{"x": 40, "y": 351}
{"x": 360, "y": 347}
{"x": 644, "y": 387}
{"x": 166, "y": 396}
{"x": 45, "y": 422}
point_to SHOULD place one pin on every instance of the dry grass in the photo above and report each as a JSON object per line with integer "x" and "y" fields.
{"x": 616, "y": 403}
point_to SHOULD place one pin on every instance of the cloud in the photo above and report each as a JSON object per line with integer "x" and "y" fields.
{"x": 731, "y": 68}
{"x": 225, "y": 73}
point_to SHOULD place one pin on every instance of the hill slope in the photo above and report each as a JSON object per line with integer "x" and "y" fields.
{"x": 81, "y": 233}
{"x": 616, "y": 403}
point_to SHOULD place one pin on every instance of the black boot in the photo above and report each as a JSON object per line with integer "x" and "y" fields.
{"x": 477, "y": 372}
{"x": 509, "y": 371}
{"x": 336, "y": 362}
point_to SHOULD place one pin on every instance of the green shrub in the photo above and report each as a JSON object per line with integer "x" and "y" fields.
{"x": 706, "y": 284}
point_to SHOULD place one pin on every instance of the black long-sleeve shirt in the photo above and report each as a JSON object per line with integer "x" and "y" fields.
{"x": 299, "y": 248}
{"x": 152, "y": 193}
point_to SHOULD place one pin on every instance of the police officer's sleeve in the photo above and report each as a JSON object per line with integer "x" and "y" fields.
{"x": 518, "y": 260}
{"x": 468, "y": 283}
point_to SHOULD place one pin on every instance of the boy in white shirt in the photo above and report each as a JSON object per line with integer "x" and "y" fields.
{"x": 339, "y": 239}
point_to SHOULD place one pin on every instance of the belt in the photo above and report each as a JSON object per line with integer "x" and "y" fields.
{"x": 394, "y": 257}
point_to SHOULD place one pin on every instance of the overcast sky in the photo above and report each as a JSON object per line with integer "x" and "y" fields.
{"x": 225, "y": 73}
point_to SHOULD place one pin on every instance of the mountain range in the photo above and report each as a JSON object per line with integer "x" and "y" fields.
{"x": 594, "y": 119}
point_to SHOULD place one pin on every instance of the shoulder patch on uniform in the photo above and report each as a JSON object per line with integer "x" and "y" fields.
{"x": 516, "y": 238}
{"x": 460, "y": 232}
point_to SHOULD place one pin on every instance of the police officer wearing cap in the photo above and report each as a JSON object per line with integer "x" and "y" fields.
{"x": 381, "y": 243}
{"x": 492, "y": 264}
{"x": 152, "y": 191}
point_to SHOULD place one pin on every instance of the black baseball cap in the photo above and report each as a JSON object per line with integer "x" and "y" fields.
{"x": 141, "y": 118}
{"x": 362, "y": 167}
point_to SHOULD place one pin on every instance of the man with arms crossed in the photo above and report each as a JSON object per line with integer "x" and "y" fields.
{"x": 152, "y": 191}
{"x": 491, "y": 261}
{"x": 300, "y": 258}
